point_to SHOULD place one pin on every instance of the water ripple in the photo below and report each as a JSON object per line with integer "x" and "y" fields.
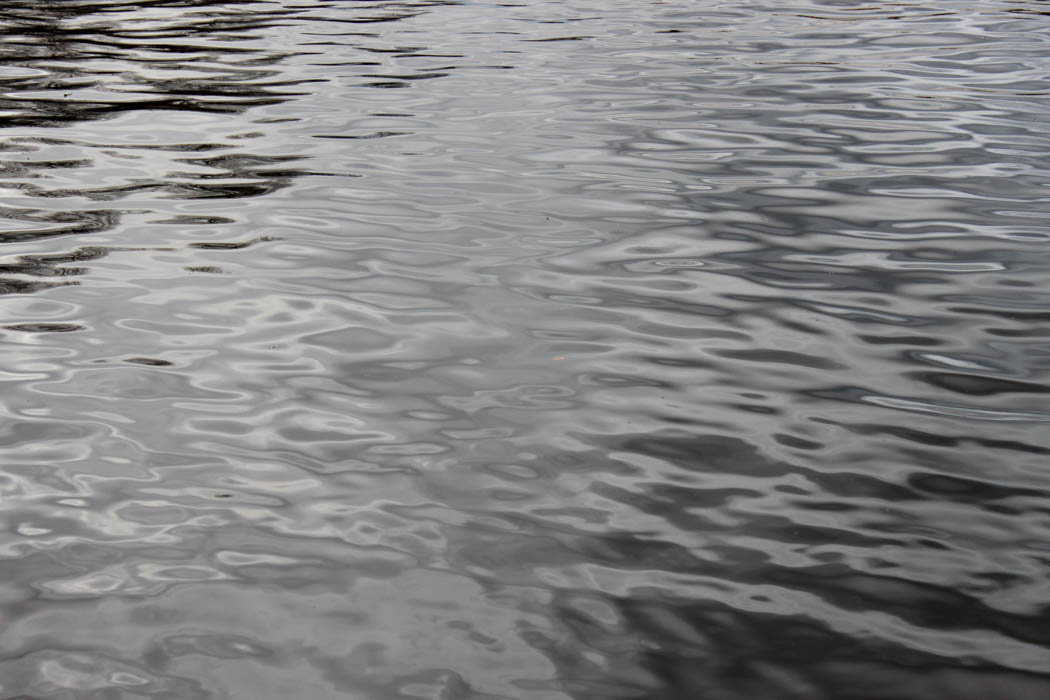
{"x": 540, "y": 351}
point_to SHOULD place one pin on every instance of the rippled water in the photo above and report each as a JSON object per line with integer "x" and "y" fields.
{"x": 541, "y": 351}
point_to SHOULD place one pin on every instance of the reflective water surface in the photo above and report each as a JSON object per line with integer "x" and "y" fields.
{"x": 538, "y": 350}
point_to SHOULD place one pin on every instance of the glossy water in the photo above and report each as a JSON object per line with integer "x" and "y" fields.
{"x": 543, "y": 351}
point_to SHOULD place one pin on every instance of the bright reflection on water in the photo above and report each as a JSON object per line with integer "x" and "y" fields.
{"x": 541, "y": 351}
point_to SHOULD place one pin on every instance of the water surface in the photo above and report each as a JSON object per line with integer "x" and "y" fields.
{"x": 532, "y": 351}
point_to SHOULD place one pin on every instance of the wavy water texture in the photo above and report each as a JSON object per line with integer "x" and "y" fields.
{"x": 543, "y": 350}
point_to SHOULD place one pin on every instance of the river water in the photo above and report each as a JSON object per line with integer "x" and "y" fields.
{"x": 535, "y": 350}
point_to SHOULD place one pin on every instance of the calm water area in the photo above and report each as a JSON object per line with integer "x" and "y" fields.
{"x": 525, "y": 350}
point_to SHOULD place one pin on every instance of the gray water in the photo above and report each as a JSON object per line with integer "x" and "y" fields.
{"x": 544, "y": 350}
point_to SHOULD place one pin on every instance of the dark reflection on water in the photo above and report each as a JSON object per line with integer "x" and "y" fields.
{"x": 541, "y": 351}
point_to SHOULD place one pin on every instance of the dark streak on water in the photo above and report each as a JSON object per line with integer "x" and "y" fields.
{"x": 542, "y": 351}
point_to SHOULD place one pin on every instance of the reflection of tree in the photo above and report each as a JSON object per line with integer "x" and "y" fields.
{"x": 75, "y": 47}
{"x": 48, "y": 267}
{"x": 63, "y": 64}
{"x": 45, "y": 266}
